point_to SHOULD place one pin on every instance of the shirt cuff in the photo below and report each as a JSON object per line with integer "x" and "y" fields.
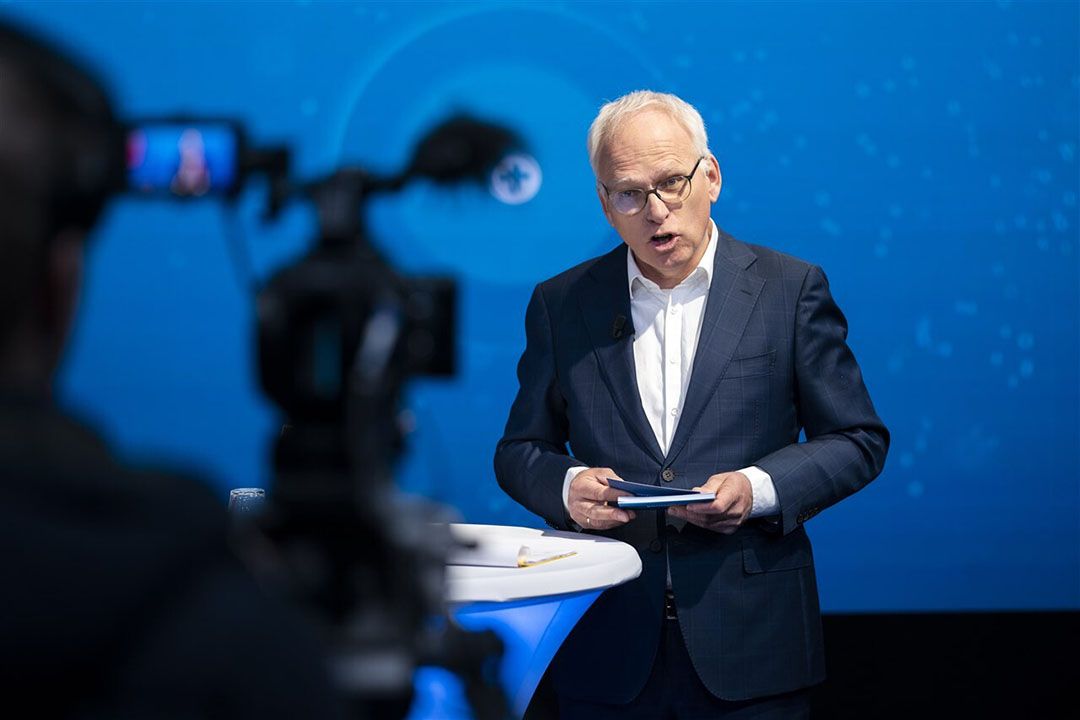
{"x": 570, "y": 475}
{"x": 761, "y": 487}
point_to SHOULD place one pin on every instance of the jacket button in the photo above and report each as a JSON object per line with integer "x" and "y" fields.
{"x": 668, "y": 475}
{"x": 656, "y": 546}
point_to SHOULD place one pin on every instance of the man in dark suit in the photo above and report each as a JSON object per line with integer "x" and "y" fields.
{"x": 119, "y": 596}
{"x": 689, "y": 359}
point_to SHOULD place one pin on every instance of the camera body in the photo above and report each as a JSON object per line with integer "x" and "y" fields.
{"x": 339, "y": 334}
{"x": 340, "y": 315}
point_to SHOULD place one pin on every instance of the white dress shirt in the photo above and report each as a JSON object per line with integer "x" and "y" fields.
{"x": 666, "y": 328}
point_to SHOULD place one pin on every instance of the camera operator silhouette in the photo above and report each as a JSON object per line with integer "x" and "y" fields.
{"x": 120, "y": 595}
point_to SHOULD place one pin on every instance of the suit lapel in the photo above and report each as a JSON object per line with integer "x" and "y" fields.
{"x": 606, "y": 297}
{"x": 732, "y": 295}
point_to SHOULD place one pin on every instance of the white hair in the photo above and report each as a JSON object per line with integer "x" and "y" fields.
{"x": 612, "y": 114}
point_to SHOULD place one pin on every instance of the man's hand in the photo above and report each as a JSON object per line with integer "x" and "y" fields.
{"x": 589, "y": 495}
{"x": 727, "y": 512}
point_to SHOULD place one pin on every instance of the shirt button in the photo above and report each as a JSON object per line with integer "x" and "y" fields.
{"x": 674, "y": 412}
{"x": 656, "y": 546}
{"x": 668, "y": 475}
{"x": 674, "y": 311}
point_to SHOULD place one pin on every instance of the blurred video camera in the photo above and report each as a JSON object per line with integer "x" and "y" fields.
{"x": 339, "y": 332}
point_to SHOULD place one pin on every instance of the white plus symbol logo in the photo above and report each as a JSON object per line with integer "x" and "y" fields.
{"x": 516, "y": 179}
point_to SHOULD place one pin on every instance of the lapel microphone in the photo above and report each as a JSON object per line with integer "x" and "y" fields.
{"x": 618, "y": 326}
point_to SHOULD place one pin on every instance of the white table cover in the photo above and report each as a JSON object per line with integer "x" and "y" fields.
{"x": 599, "y": 562}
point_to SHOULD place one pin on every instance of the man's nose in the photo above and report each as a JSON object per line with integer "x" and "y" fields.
{"x": 656, "y": 210}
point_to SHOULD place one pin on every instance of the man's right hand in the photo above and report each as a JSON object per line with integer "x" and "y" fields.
{"x": 589, "y": 495}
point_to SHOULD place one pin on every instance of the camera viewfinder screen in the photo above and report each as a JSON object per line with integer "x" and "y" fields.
{"x": 184, "y": 160}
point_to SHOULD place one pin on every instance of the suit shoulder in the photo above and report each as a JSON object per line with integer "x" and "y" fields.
{"x": 768, "y": 262}
{"x": 559, "y": 285}
{"x": 764, "y": 259}
{"x": 777, "y": 262}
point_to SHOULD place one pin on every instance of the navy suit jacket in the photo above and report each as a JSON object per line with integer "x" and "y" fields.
{"x": 772, "y": 360}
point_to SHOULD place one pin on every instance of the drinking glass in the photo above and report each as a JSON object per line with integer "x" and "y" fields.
{"x": 246, "y": 501}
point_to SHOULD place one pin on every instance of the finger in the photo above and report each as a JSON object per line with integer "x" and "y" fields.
{"x": 609, "y": 494}
{"x": 604, "y": 524}
{"x": 720, "y": 506}
{"x": 587, "y": 487}
{"x": 727, "y": 495}
{"x": 712, "y": 484}
{"x": 705, "y": 508}
{"x": 584, "y": 517}
{"x": 613, "y": 513}
{"x": 726, "y": 523}
{"x": 698, "y": 520}
{"x": 602, "y": 475}
{"x": 599, "y": 516}
{"x": 598, "y": 489}
{"x": 585, "y": 509}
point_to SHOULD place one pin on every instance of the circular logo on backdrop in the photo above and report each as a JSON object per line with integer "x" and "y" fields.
{"x": 516, "y": 179}
{"x": 504, "y": 230}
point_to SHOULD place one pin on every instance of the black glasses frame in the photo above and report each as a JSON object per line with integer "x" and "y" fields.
{"x": 654, "y": 190}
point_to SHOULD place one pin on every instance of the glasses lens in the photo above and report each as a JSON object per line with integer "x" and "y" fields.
{"x": 627, "y": 201}
{"x": 676, "y": 188}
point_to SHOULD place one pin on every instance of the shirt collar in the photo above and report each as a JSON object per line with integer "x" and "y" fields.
{"x": 704, "y": 267}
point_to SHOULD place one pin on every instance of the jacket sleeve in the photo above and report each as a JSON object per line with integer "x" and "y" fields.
{"x": 846, "y": 442}
{"x": 531, "y": 459}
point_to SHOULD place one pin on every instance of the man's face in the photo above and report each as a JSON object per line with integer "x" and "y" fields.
{"x": 647, "y": 149}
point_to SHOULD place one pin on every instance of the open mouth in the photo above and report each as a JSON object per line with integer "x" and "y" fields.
{"x": 661, "y": 240}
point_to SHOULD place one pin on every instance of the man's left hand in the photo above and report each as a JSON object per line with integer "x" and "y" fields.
{"x": 727, "y": 512}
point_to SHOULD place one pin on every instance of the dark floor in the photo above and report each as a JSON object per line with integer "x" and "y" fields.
{"x": 939, "y": 665}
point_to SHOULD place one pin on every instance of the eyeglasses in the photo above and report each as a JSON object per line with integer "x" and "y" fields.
{"x": 671, "y": 192}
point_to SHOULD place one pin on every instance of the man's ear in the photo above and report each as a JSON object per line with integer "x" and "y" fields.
{"x": 63, "y": 285}
{"x": 602, "y": 194}
{"x": 716, "y": 180}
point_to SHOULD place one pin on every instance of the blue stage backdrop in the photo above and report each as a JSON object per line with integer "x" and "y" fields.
{"x": 925, "y": 154}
